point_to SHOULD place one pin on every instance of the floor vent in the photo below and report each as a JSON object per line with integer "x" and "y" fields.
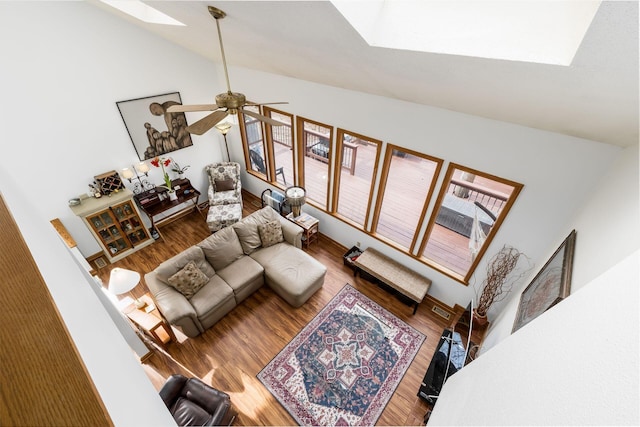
{"x": 440, "y": 312}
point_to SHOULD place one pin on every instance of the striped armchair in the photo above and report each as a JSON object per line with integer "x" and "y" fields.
{"x": 225, "y": 195}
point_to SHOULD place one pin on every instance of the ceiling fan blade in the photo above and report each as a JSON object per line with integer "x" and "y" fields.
{"x": 207, "y": 122}
{"x": 264, "y": 103}
{"x": 186, "y": 108}
{"x": 262, "y": 118}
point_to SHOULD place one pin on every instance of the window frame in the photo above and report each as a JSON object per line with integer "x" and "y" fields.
{"x": 268, "y": 131}
{"x": 451, "y": 168}
{"x": 301, "y": 154}
{"x": 245, "y": 146}
{"x": 337, "y": 173}
{"x": 382, "y": 187}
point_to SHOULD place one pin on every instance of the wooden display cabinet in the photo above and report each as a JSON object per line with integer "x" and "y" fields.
{"x": 115, "y": 223}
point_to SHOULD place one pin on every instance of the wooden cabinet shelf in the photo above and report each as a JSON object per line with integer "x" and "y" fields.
{"x": 115, "y": 223}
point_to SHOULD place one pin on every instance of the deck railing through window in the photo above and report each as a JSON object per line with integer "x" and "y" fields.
{"x": 317, "y": 147}
{"x": 492, "y": 200}
{"x": 282, "y": 135}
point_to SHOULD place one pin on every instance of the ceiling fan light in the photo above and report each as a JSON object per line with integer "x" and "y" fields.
{"x": 223, "y": 127}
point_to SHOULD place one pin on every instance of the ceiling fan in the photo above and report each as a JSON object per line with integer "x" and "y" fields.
{"x": 226, "y": 103}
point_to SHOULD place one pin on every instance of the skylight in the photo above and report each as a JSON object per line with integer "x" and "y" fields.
{"x": 143, "y": 12}
{"x": 542, "y": 31}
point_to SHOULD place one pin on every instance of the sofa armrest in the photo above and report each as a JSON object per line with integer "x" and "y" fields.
{"x": 292, "y": 232}
{"x": 174, "y": 306}
{"x": 215, "y": 402}
{"x": 171, "y": 389}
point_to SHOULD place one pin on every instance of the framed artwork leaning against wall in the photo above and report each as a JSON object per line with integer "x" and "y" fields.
{"x": 550, "y": 286}
{"x": 153, "y": 131}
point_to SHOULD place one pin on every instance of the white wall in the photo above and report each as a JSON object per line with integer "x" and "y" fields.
{"x": 110, "y": 361}
{"x": 62, "y": 74}
{"x": 66, "y": 64}
{"x": 607, "y": 230}
{"x": 558, "y": 172}
{"x": 576, "y": 365}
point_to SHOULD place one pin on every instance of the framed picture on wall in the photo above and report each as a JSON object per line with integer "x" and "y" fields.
{"x": 551, "y": 285}
{"x": 153, "y": 131}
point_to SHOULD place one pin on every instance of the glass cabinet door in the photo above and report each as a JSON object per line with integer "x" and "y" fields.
{"x": 105, "y": 226}
{"x": 130, "y": 223}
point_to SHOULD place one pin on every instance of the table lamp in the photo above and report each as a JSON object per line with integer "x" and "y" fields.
{"x": 295, "y": 197}
{"x": 142, "y": 184}
{"x": 122, "y": 281}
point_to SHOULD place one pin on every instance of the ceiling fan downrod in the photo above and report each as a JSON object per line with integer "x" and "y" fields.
{"x": 219, "y": 14}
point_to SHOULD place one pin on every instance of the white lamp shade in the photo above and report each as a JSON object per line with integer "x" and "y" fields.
{"x": 127, "y": 173}
{"x": 142, "y": 167}
{"x": 122, "y": 280}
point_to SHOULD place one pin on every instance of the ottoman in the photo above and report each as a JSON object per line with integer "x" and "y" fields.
{"x": 292, "y": 273}
{"x": 221, "y": 216}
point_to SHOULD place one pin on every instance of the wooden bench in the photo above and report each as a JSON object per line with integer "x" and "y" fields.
{"x": 393, "y": 274}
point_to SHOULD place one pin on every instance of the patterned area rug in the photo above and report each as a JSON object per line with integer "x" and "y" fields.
{"x": 344, "y": 366}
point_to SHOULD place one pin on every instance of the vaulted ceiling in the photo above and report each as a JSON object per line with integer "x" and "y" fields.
{"x": 595, "y": 98}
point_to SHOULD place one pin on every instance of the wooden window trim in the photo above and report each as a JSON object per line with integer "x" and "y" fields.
{"x": 268, "y": 134}
{"x": 517, "y": 188}
{"x": 338, "y": 172}
{"x": 383, "y": 186}
{"x": 300, "y": 121}
{"x": 245, "y": 147}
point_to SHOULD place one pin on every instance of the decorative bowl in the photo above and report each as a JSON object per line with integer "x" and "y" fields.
{"x": 74, "y": 202}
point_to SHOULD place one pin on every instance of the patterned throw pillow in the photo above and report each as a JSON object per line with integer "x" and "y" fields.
{"x": 189, "y": 280}
{"x": 270, "y": 233}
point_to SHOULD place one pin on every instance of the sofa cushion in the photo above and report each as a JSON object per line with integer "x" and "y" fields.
{"x": 189, "y": 280}
{"x": 244, "y": 276}
{"x": 290, "y": 272}
{"x": 247, "y": 228}
{"x": 222, "y": 248}
{"x": 270, "y": 233}
{"x": 177, "y": 263}
{"x": 211, "y": 297}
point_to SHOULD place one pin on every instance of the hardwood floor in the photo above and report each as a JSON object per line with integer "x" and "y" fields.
{"x": 231, "y": 353}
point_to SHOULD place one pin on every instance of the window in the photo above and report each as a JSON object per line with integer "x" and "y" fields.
{"x": 406, "y": 185}
{"x": 354, "y": 180}
{"x": 280, "y": 147}
{"x": 314, "y": 158}
{"x": 465, "y": 194}
{"x": 254, "y": 147}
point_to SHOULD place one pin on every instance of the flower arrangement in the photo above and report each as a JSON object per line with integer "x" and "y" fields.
{"x": 177, "y": 169}
{"x": 160, "y": 162}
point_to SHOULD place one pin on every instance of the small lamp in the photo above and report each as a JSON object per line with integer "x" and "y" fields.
{"x": 142, "y": 184}
{"x": 224, "y": 128}
{"x": 122, "y": 281}
{"x": 295, "y": 197}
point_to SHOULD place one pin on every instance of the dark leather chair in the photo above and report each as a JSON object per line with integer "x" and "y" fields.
{"x": 194, "y": 403}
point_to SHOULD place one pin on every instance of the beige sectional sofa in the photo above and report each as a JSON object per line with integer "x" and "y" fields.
{"x": 200, "y": 285}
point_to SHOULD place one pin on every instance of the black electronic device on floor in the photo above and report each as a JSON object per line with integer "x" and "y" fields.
{"x": 449, "y": 358}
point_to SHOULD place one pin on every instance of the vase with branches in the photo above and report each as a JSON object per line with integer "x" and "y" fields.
{"x": 499, "y": 281}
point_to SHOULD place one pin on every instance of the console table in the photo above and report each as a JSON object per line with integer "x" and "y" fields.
{"x": 161, "y": 210}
